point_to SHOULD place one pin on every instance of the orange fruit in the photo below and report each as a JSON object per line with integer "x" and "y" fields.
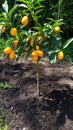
{"x": 12, "y": 55}
{"x": 13, "y": 31}
{"x": 60, "y": 55}
{"x": 15, "y": 43}
{"x": 27, "y": 39}
{"x": 57, "y": 29}
{"x": 24, "y": 20}
{"x": 34, "y": 53}
{"x": 40, "y": 53}
{"x": 34, "y": 58}
{"x": 3, "y": 28}
{"x": 31, "y": 42}
{"x": 39, "y": 39}
{"x": 37, "y": 47}
{"x": 7, "y": 50}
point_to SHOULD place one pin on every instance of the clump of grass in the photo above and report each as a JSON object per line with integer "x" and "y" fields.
{"x": 2, "y": 127}
{"x": 7, "y": 118}
{"x": 1, "y": 124}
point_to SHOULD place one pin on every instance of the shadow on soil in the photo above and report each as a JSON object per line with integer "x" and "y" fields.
{"x": 60, "y": 105}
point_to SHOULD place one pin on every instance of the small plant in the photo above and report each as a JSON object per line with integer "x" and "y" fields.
{"x": 2, "y": 127}
{"x": 5, "y": 120}
{"x": 1, "y": 124}
{"x": 35, "y": 39}
{"x": 5, "y": 85}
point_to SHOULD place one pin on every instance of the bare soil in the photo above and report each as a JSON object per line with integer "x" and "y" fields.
{"x": 20, "y": 107}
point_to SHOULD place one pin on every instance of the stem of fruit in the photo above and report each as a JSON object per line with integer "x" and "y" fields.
{"x": 38, "y": 88}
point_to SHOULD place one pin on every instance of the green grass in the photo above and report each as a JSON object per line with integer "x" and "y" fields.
{"x": 5, "y": 85}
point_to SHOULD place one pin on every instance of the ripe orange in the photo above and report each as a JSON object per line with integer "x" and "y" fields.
{"x": 12, "y": 55}
{"x": 7, "y": 50}
{"x": 31, "y": 42}
{"x": 40, "y": 53}
{"x": 34, "y": 53}
{"x": 3, "y": 28}
{"x": 37, "y": 47}
{"x": 24, "y": 20}
{"x": 57, "y": 29}
{"x": 60, "y": 55}
{"x": 34, "y": 58}
{"x": 15, "y": 43}
{"x": 13, "y": 31}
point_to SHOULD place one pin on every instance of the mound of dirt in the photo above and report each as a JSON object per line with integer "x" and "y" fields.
{"x": 20, "y": 107}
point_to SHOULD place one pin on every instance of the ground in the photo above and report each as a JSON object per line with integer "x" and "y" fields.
{"x": 20, "y": 107}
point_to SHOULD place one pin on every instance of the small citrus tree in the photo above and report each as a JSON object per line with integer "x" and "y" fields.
{"x": 26, "y": 35}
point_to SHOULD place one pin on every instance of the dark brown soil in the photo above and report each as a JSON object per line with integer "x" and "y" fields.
{"x": 20, "y": 107}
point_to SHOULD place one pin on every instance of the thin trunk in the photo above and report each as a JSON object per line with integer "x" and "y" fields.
{"x": 38, "y": 87}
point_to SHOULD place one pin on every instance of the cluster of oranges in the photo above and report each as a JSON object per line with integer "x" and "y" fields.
{"x": 37, "y": 53}
{"x": 31, "y": 40}
{"x": 60, "y": 55}
{"x": 10, "y": 52}
{"x": 13, "y": 32}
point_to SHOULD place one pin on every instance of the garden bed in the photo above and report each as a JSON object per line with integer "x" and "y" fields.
{"x": 20, "y": 107}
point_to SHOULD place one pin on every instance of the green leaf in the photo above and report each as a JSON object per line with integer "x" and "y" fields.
{"x": 38, "y": 7}
{"x": 50, "y": 19}
{"x": 0, "y": 30}
{"x": 4, "y": 15}
{"x": 20, "y": 1}
{"x": 35, "y": 18}
{"x": 53, "y": 58}
{"x": 67, "y": 43}
{"x": 23, "y": 1}
{"x": 38, "y": 1}
{"x": 5, "y": 6}
{"x": 29, "y": 53}
{"x": 1, "y": 15}
{"x": 58, "y": 23}
{"x": 37, "y": 28}
{"x": 68, "y": 58}
{"x": 23, "y": 5}
{"x": 38, "y": 11}
{"x": 54, "y": 51}
{"x": 11, "y": 12}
